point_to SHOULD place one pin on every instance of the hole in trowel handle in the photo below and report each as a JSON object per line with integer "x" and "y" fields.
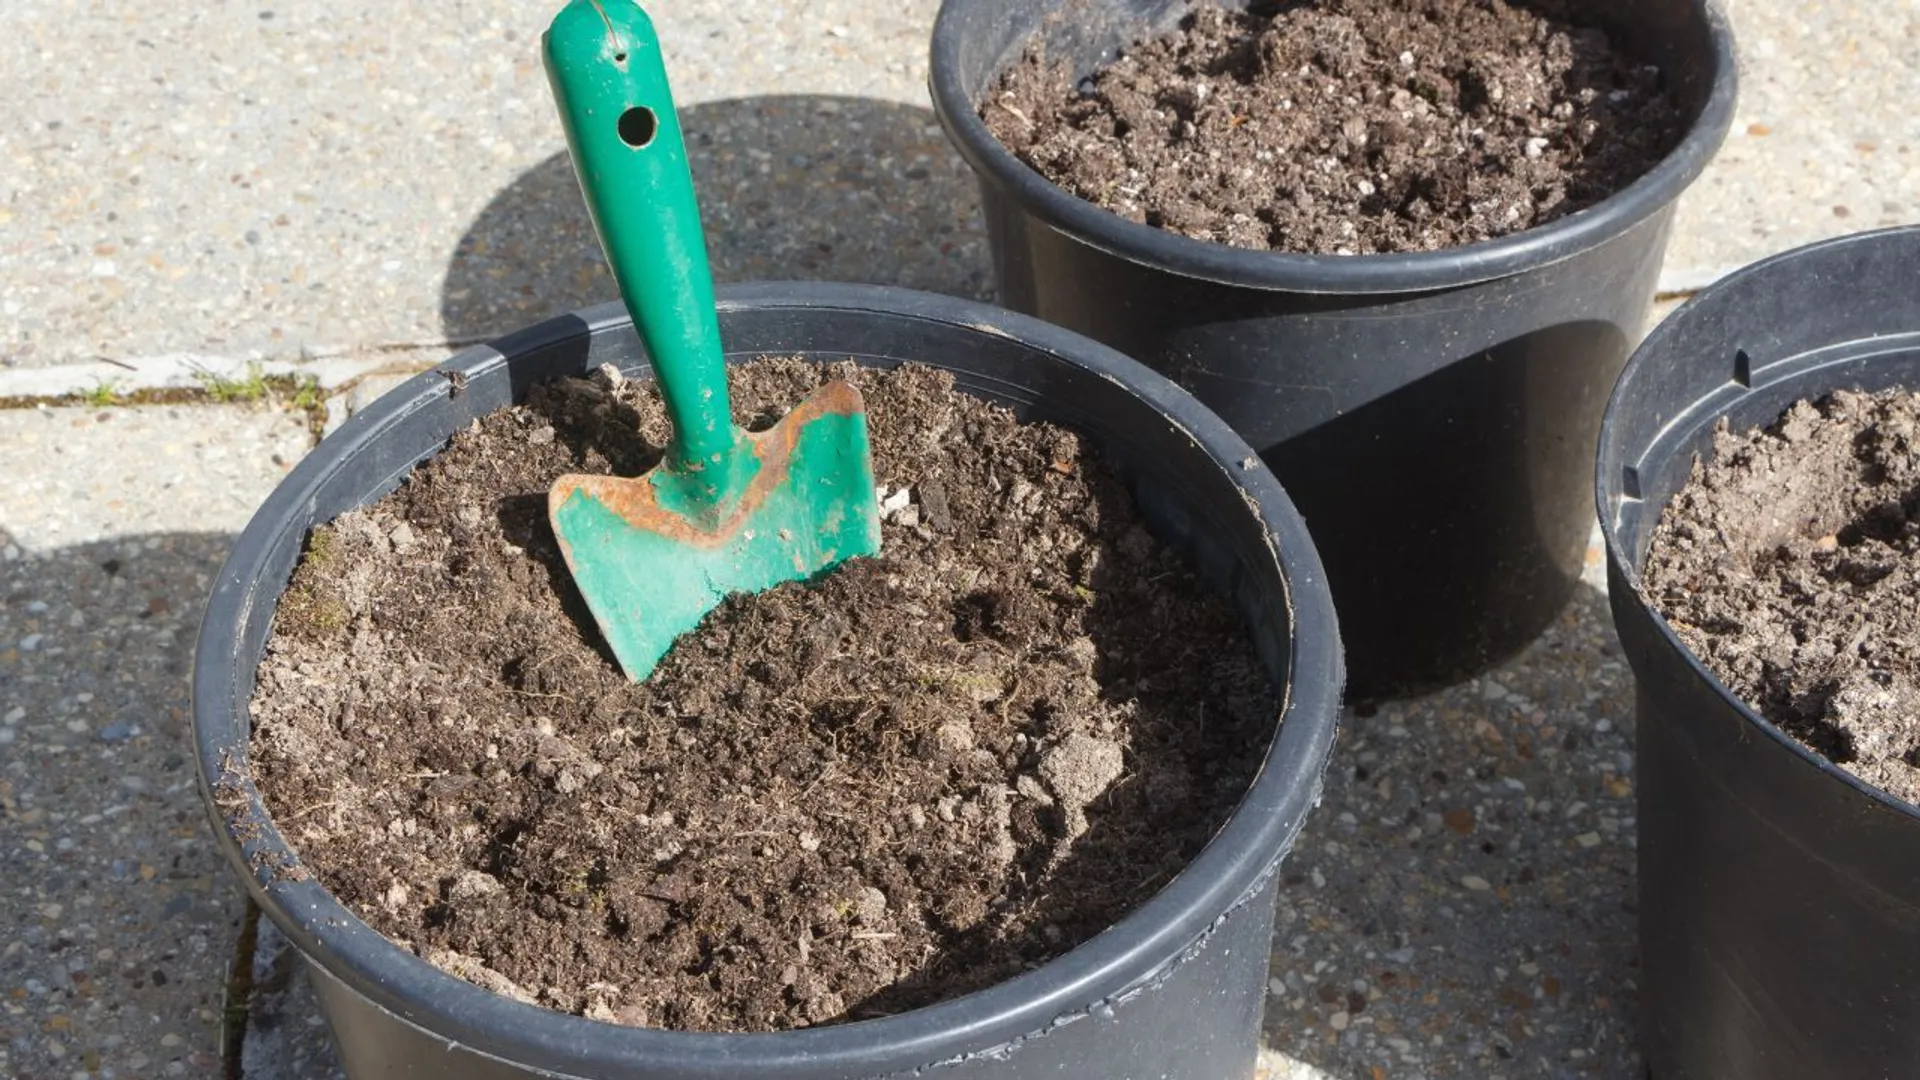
{"x": 637, "y": 126}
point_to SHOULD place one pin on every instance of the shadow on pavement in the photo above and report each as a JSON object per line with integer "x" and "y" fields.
{"x": 791, "y": 187}
{"x": 1462, "y": 902}
{"x": 120, "y": 914}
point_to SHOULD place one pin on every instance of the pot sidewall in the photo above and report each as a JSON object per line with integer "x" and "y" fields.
{"x": 1779, "y": 895}
{"x": 1459, "y": 392}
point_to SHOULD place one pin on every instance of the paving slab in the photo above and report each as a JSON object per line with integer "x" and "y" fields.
{"x": 243, "y": 182}
{"x": 267, "y": 181}
{"x": 1826, "y": 139}
{"x": 1462, "y": 902}
{"x": 120, "y": 917}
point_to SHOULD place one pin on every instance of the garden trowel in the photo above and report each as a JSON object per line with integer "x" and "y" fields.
{"x": 726, "y": 510}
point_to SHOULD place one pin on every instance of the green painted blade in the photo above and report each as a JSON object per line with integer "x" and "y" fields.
{"x": 649, "y": 574}
{"x": 726, "y": 511}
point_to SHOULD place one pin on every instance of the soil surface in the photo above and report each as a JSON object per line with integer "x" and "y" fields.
{"x": 1791, "y": 565}
{"x": 917, "y": 776}
{"x": 1346, "y": 126}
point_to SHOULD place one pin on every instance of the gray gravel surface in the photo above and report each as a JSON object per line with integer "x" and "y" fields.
{"x": 1825, "y": 140}
{"x": 792, "y": 186}
{"x": 1461, "y": 904}
{"x": 120, "y": 916}
{"x": 237, "y": 181}
{"x": 264, "y": 180}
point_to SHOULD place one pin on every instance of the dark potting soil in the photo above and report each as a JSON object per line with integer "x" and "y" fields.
{"x": 1346, "y": 126}
{"x": 1791, "y": 565}
{"x": 915, "y": 777}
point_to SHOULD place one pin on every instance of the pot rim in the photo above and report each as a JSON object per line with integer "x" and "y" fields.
{"x": 1608, "y": 494}
{"x": 1373, "y": 274}
{"x": 1233, "y": 867}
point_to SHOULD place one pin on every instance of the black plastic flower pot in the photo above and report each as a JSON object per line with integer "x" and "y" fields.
{"x": 1173, "y": 990}
{"x": 1433, "y": 414}
{"x": 1779, "y": 895}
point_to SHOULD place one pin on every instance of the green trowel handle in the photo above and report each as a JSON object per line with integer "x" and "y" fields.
{"x": 603, "y": 61}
